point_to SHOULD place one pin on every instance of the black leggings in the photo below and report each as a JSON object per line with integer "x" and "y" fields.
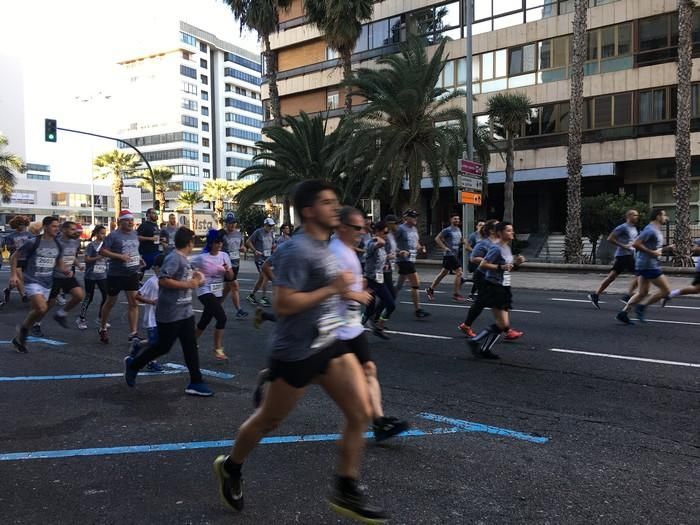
{"x": 383, "y": 295}
{"x": 90, "y": 293}
{"x": 477, "y": 306}
{"x": 212, "y": 308}
{"x": 168, "y": 333}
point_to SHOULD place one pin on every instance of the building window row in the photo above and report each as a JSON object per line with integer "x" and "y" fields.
{"x": 180, "y": 153}
{"x": 242, "y": 134}
{"x": 247, "y": 121}
{"x": 38, "y": 176}
{"x": 186, "y": 185}
{"x": 240, "y": 148}
{"x": 188, "y": 71}
{"x": 188, "y": 87}
{"x": 234, "y": 162}
{"x": 242, "y": 91}
{"x": 185, "y": 170}
{"x": 187, "y": 39}
{"x": 189, "y": 121}
{"x": 191, "y": 105}
{"x": 236, "y": 59}
{"x": 83, "y": 200}
{"x": 240, "y": 75}
{"x": 246, "y": 106}
{"x": 163, "y": 138}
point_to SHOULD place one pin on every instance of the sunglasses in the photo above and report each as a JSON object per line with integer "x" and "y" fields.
{"x": 354, "y": 226}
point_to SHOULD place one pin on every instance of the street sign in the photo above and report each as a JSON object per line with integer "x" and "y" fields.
{"x": 466, "y": 197}
{"x": 468, "y": 166}
{"x": 470, "y": 184}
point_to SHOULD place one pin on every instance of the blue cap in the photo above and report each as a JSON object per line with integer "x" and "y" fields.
{"x": 230, "y": 218}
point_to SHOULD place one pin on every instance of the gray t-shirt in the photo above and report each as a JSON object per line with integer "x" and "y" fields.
{"x": 168, "y": 234}
{"x": 375, "y": 261}
{"x": 652, "y": 239}
{"x": 407, "y": 238}
{"x": 16, "y": 239}
{"x": 127, "y": 244}
{"x": 262, "y": 242}
{"x": 232, "y": 245}
{"x": 174, "y": 304}
{"x": 69, "y": 248}
{"x": 499, "y": 254}
{"x": 452, "y": 237}
{"x": 305, "y": 264}
{"x": 96, "y": 270}
{"x": 42, "y": 263}
{"x": 626, "y": 234}
{"x": 480, "y": 250}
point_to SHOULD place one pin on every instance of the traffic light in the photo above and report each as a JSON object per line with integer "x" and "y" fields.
{"x": 49, "y": 130}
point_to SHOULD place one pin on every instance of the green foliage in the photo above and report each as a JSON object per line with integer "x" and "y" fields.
{"x": 261, "y": 16}
{"x": 509, "y": 111}
{"x": 250, "y": 218}
{"x": 10, "y": 165}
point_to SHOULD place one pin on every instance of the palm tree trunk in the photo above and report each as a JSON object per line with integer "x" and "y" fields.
{"x": 509, "y": 185}
{"x": 286, "y": 204}
{"x": 220, "y": 211}
{"x": 161, "y": 203}
{"x": 117, "y": 189}
{"x": 271, "y": 72}
{"x": 346, "y": 57}
{"x": 191, "y": 217}
{"x": 573, "y": 246}
{"x": 682, "y": 239}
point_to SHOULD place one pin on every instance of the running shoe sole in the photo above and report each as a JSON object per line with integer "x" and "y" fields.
{"x": 19, "y": 346}
{"x": 224, "y": 480}
{"x": 349, "y": 513}
{"x": 593, "y": 301}
{"x": 398, "y": 428}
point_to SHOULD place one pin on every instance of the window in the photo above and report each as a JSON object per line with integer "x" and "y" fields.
{"x": 523, "y": 59}
{"x": 203, "y": 63}
{"x": 189, "y": 104}
{"x": 248, "y": 121}
{"x": 623, "y": 109}
{"x": 202, "y": 47}
{"x": 189, "y": 88}
{"x": 245, "y": 77}
{"x": 241, "y": 91}
{"x": 657, "y": 38}
{"x": 205, "y": 111}
{"x": 188, "y": 185}
{"x": 172, "y": 154}
{"x": 185, "y": 170}
{"x": 34, "y": 176}
{"x": 205, "y": 126}
{"x": 188, "y": 71}
{"x": 206, "y": 158}
{"x": 189, "y": 121}
{"x": 332, "y": 99}
{"x": 246, "y": 106}
{"x": 163, "y": 138}
{"x": 436, "y": 23}
{"x": 232, "y": 57}
{"x": 187, "y": 39}
{"x": 204, "y": 79}
{"x": 206, "y": 173}
{"x": 243, "y": 134}
{"x": 205, "y": 95}
{"x": 186, "y": 55}
{"x": 235, "y": 162}
{"x": 603, "y": 112}
{"x": 205, "y": 142}
{"x": 652, "y": 106}
{"x": 189, "y": 137}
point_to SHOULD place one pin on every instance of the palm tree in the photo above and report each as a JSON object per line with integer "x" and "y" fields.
{"x": 340, "y": 21}
{"x": 509, "y": 112}
{"x": 573, "y": 247}
{"x": 119, "y": 166}
{"x": 160, "y": 181}
{"x": 188, "y": 200}
{"x": 262, "y": 16}
{"x": 10, "y": 165}
{"x": 220, "y": 191}
{"x": 400, "y": 122}
{"x": 682, "y": 237}
{"x": 299, "y": 150}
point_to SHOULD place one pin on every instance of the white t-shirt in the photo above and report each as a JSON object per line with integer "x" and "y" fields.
{"x": 149, "y": 290}
{"x": 212, "y": 267}
{"x": 349, "y": 311}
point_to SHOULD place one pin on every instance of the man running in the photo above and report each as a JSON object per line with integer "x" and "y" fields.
{"x": 149, "y": 239}
{"x": 41, "y": 256}
{"x": 14, "y": 242}
{"x": 260, "y": 243}
{"x": 374, "y": 271}
{"x": 308, "y": 283}
{"x": 408, "y": 245}
{"x": 649, "y": 246}
{"x": 121, "y": 247}
{"x": 167, "y": 234}
{"x": 623, "y": 237}
{"x": 450, "y": 240}
{"x": 233, "y": 245}
{"x": 693, "y": 288}
{"x": 174, "y": 316}
{"x": 472, "y": 240}
{"x": 69, "y": 240}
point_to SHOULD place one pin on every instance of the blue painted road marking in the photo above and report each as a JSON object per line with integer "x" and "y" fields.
{"x": 211, "y": 373}
{"x": 176, "y": 369}
{"x": 459, "y": 427}
{"x": 32, "y": 339}
{"x": 469, "y": 426}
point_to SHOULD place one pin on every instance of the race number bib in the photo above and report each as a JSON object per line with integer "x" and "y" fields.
{"x": 235, "y": 255}
{"x": 45, "y": 265}
{"x": 379, "y": 277}
{"x": 99, "y": 267}
{"x": 506, "y": 278}
{"x": 412, "y": 255}
{"x": 217, "y": 288}
{"x": 68, "y": 260}
{"x": 267, "y": 253}
{"x": 134, "y": 260}
{"x": 354, "y": 318}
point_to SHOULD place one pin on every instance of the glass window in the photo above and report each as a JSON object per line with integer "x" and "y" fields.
{"x": 332, "y": 99}
{"x": 379, "y": 34}
{"x": 203, "y": 63}
{"x": 564, "y": 117}
{"x": 448, "y": 74}
{"x": 623, "y": 109}
{"x": 205, "y": 111}
{"x": 362, "y": 41}
{"x": 559, "y": 53}
{"x": 501, "y": 63}
{"x": 395, "y": 27}
{"x": 508, "y": 21}
{"x": 205, "y": 95}
{"x": 592, "y": 45}
{"x": 205, "y": 126}
{"x": 603, "y": 112}
{"x": 652, "y": 106}
{"x": 205, "y": 142}
{"x": 482, "y": 9}
{"x": 204, "y": 79}
{"x": 545, "y": 54}
{"x": 476, "y": 70}
{"x": 516, "y": 61}
{"x": 624, "y": 39}
{"x": 533, "y": 127}
{"x": 653, "y": 33}
{"x": 587, "y": 104}
{"x": 481, "y": 27}
{"x": 487, "y": 66}
{"x": 549, "y": 119}
{"x": 202, "y": 47}
{"x": 695, "y": 103}
{"x": 607, "y": 42}
{"x": 506, "y": 6}
{"x": 462, "y": 72}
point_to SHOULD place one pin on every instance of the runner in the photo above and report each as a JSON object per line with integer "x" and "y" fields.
{"x": 41, "y": 256}
{"x": 233, "y": 245}
{"x": 649, "y": 248}
{"x": 121, "y": 247}
{"x": 174, "y": 316}
{"x": 391, "y": 225}
{"x": 215, "y": 266}
{"x": 95, "y": 275}
{"x": 14, "y": 242}
{"x": 450, "y": 240}
{"x": 148, "y": 295}
{"x": 167, "y": 234}
{"x": 260, "y": 243}
{"x": 472, "y": 240}
{"x": 66, "y": 283}
{"x": 375, "y": 274}
{"x": 693, "y": 288}
{"x": 361, "y": 247}
{"x": 495, "y": 292}
{"x": 489, "y": 237}
{"x": 623, "y": 237}
{"x": 149, "y": 240}
{"x": 408, "y": 245}
{"x": 284, "y": 236}
{"x": 308, "y": 283}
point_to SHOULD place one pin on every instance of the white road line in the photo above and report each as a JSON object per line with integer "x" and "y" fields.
{"x": 411, "y": 334}
{"x": 573, "y": 300}
{"x": 626, "y": 358}
{"x": 689, "y": 323}
{"x": 683, "y": 307}
{"x": 467, "y": 305}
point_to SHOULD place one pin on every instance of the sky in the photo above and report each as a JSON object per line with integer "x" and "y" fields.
{"x": 68, "y": 51}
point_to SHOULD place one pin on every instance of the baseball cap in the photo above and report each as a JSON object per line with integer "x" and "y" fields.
{"x": 230, "y": 218}
{"x": 125, "y": 215}
{"x": 269, "y": 221}
{"x": 410, "y": 213}
{"x": 391, "y": 218}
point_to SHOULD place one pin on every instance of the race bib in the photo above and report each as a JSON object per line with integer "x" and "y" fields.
{"x": 267, "y": 253}
{"x": 379, "y": 277}
{"x": 45, "y": 264}
{"x": 506, "y": 278}
{"x": 99, "y": 268}
{"x": 217, "y": 287}
{"x": 134, "y": 260}
{"x": 235, "y": 255}
{"x": 354, "y": 318}
{"x": 412, "y": 255}
{"x": 68, "y": 260}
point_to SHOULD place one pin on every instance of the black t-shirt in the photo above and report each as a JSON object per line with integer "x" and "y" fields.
{"x": 148, "y": 229}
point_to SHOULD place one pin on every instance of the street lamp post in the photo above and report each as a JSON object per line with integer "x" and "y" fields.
{"x": 467, "y": 210}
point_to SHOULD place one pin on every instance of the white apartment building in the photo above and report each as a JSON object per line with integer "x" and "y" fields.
{"x": 194, "y": 106}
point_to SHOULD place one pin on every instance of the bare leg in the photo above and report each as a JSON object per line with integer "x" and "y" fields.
{"x": 633, "y": 286}
{"x": 458, "y": 281}
{"x": 663, "y": 291}
{"x": 439, "y": 277}
{"x": 375, "y": 391}
{"x": 642, "y": 292}
{"x": 133, "y": 312}
{"x": 264, "y": 285}
{"x": 77, "y": 296}
{"x": 218, "y": 338}
{"x": 235, "y": 287}
{"x": 107, "y": 309}
{"x": 415, "y": 283}
{"x": 502, "y": 318}
{"x": 607, "y": 281}
{"x": 38, "y": 310}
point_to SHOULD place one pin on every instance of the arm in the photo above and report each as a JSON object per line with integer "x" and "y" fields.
{"x": 104, "y": 252}
{"x": 191, "y": 284}
{"x": 612, "y": 239}
{"x": 492, "y": 266}
{"x": 639, "y": 246}
{"x": 290, "y": 302}
{"x": 439, "y": 240}
{"x": 14, "y": 276}
{"x": 141, "y": 299}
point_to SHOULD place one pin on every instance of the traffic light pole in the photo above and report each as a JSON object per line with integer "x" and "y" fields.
{"x": 467, "y": 209}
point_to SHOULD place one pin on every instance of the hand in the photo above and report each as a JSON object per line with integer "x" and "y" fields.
{"x": 68, "y": 273}
{"x": 423, "y": 249}
{"x": 257, "y": 253}
{"x": 197, "y": 279}
{"x": 403, "y": 253}
{"x": 124, "y": 258}
{"x": 343, "y": 282}
{"x": 14, "y": 281}
{"x": 379, "y": 241}
{"x": 519, "y": 260}
{"x": 507, "y": 267}
{"x": 657, "y": 253}
{"x": 363, "y": 297}
{"x": 225, "y": 267}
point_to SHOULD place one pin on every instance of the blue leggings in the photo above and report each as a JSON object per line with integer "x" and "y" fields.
{"x": 383, "y": 294}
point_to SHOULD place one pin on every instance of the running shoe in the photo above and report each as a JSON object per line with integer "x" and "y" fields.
{"x": 241, "y": 314}
{"x": 20, "y": 340}
{"x": 258, "y": 319}
{"x": 104, "y": 337}
{"x": 467, "y": 330}
{"x": 129, "y": 373}
{"x": 220, "y": 354}
{"x": 626, "y": 298}
{"x": 6, "y": 295}
{"x": 488, "y": 354}
{"x": 265, "y": 301}
{"x": 420, "y": 313}
{"x": 230, "y": 487}
{"x": 458, "y": 298}
{"x": 379, "y": 332}
{"x": 665, "y": 300}
{"x": 388, "y": 427}
{"x": 199, "y": 389}
{"x": 36, "y": 331}
{"x": 430, "y": 293}
{"x": 134, "y": 338}
{"x": 61, "y": 300}
{"x": 61, "y": 319}
{"x": 351, "y": 504}
{"x": 258, "y": 393}
{"x": 594, "y": 297}
{"x": 640, "y": 310}
{"x": 475, "y": 347}
{"x": 81, "y": 323}
{"x": 252, "y": 300}
{"x": 623, "y": 317}
{"x": 154, "y": 366}
{"x": 512, "y": 335}
{"x": 98, "y": 322}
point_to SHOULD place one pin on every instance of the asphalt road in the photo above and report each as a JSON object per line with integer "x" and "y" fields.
{"x": 541, "y": 436}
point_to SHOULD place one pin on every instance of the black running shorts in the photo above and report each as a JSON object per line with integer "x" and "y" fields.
{"x": 63, "y": 285}
{"x": 624, "y": 263}
{"x": 235, "y": 274}
{"x": 450, "y": 262}
{"x": 492, "y": 295}
{"x": 358, "y": 346}
{"x": 406, "y": 267}
{"x": 122, "y": 283}
{"x": 300, "y": 374}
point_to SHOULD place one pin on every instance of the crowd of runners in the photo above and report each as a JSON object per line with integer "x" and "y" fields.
{"x": 334, "y": 279}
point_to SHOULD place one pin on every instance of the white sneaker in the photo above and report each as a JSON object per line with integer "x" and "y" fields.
{"x": 61, "y": 299}
{"x": 81, "y": 323}
{"x": 98, "y": 322}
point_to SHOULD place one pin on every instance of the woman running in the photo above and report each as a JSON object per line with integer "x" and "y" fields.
{"x": 215, "y": 265}
{"x": 375, "y": 262}
{"x": 95, "y": 275}
{"x": 14, "y": 242}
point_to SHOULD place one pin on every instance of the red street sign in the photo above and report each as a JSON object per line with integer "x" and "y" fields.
{"x": 468, "y": 166}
